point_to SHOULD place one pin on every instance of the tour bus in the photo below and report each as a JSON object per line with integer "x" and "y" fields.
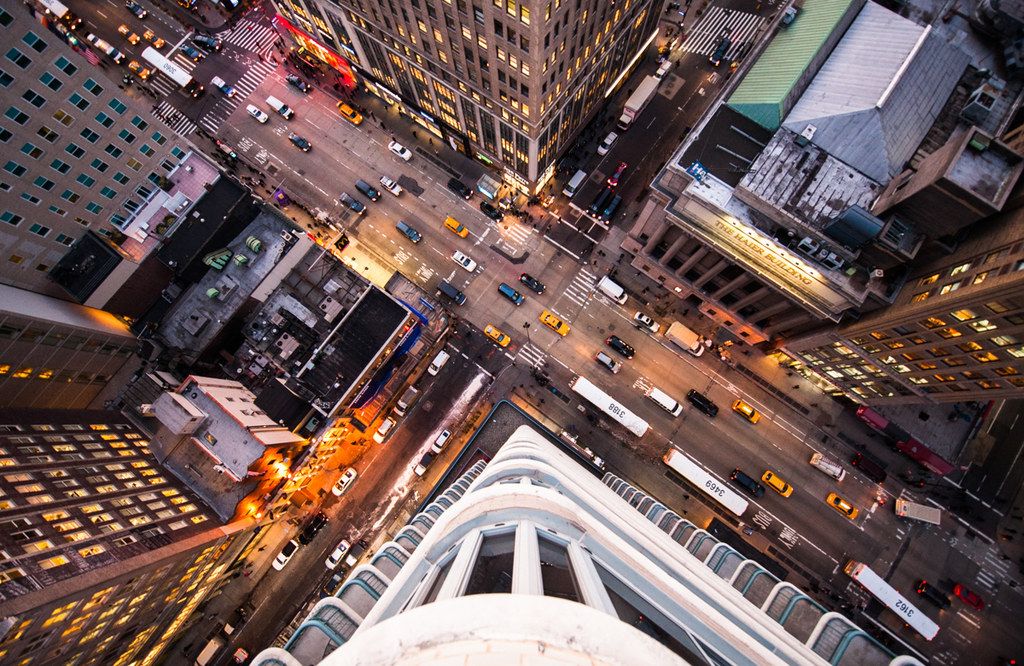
{"x": 173, "y": 71}
{"x": 682, "y": 465}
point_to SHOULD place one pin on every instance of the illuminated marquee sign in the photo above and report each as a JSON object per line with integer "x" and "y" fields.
{"x": 768, "y": 254}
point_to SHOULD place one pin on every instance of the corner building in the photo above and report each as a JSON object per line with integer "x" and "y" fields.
{"x": 530, "y": 558}
{"x": 508, "y": 83}
{"x": 104, "y": 556}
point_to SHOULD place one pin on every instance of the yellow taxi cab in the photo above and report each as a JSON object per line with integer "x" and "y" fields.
{"x": 127, "y": 33}
{"x": 776, "y": 484}
{"x": 554, "y": 323}
{"x": 157, "y": 42}
{"x": 138, "y": 70}
{"x": 457, "y": 227}
{"x": 350, "y": 114}
{"x": 495, "y": 334}
{"x": 842, "y": 506}
{"x": 746, "y": 411}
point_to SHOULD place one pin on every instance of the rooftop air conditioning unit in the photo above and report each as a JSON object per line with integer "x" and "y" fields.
{"x": 806, "y": 136}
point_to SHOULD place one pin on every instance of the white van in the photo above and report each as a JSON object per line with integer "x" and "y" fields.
{"x": 609, "y": 288}
{"x": 574, "y": 183}
{"x": 280, "y": 107}
{"x": 665, "y": 401}
{"x": 438, "y": 362}
{"x": 827, "y": 466}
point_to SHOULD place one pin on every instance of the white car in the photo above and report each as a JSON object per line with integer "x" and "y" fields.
{"x": 400, "y": 150}
{"x": 344, "y": 482}
{"x": 335, "y": 558}
{"x": 464, "y": 261}
{"x": 606, "y": 145}
{"x": 440, "y": 441}
{"x": 643, "y": 322}
{"x": 390, "y": 185}
{"x": 285, "y": 555}
{"x": 257, "y": 113}
{"x": 384, "y": 430}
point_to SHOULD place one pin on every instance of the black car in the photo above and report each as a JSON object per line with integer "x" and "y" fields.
{"x": 299, "y": 142}
{"x": 621, "y": 346}
{"x": 315, "y": 525}
{"x": 702, "y": 402}
{"x": 533, "y": 283}
{"x": 192, "y": 53}
{"x": 460, "y": 188}
{"x": 932, "y": 594}
{"x": 747, "y": 482}
{"x": 491, "y": 212}
{"x": 136, "y": 8}
{"x": 208, "y": 42}
{"x": 297, "y": 82}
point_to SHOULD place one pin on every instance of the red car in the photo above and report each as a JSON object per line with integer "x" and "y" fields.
{"x": 969, "y": 597}
{"x": 613, "y": 180}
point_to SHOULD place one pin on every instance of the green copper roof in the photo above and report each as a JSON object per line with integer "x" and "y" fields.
{"x": 761, "y": 94}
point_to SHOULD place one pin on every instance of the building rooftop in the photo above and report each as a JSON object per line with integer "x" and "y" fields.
{"x": 86, "y": 265}
{"x": 986, "y": 168}
{"x": 188, "y": 183}
{"x": 881, "y": 89}
{"x": 199, "y": 315}
{"x": 768, "y": 86}
{"x": 804, "y": 182}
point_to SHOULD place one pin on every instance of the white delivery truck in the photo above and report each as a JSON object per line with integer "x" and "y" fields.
{"x": 612, "y": 290}
{"x": 685, "y": 338}
{"x": 828, "y": 466}
{"x": 643, "y": 94}
{"x": 928, "y": 514}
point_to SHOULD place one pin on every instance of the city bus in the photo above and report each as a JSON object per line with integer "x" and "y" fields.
{"x": 172, "y": 71}
{"x": 682, "y": 465}
{"x": 892, "y": 599}
{"x": 606, "y": 404}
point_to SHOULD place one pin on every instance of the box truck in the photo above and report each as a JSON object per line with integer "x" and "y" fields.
{"x": 643, "y": 94}
{"x": 685, "y": 338}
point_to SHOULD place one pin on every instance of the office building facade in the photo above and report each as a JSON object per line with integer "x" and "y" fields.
{"x": 80, "y": 154}
{"x": 531, "y": 556}
{"x": 955, "y": 333}
{"x": 104, "y": 556}
{"x": 60, "y": 355}
{"x": 508, "y": 82}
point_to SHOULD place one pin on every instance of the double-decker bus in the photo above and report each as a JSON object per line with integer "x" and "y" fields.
{"x": 609, "y": 406}
{"x": 172, "y": 71}
{"x": 714, "y": 488}
{"x": 892, "y": 599}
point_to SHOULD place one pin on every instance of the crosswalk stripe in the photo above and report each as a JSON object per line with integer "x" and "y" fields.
{"x": 174, "y": 119}
{"x": 252, "y": 36}
{"x": 531, "y": 354}
{"x": 245, "y": 86}
{"x": 707, "y": 33}
{"x": 183, "y": 61}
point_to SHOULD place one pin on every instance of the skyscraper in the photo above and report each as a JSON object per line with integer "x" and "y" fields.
{"x": 954, "y": 333}
{"x": 507, "y": 82}
{"x": 530, "y": 556}
{"x": 80, "y": 152}
{"x": 104, "y": 556}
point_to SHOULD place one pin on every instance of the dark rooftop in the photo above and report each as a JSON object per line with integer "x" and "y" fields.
{"x": 358, "y": 341}
{"x": 86, "y": 265}
{"x": 216, "y": 219}
{"x": 727, "y": 145}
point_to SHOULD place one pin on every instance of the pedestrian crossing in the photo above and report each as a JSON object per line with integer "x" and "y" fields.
{"x": 581, "y": 287}
{"x": 162, "y": 83}
{"x": 533, "y": 356}
{"x": 252, "y": 36}
{"x": 174, "y": 119}
{"x": 707, "y": 33}
{"x": 994, "y": 570}
{"x": 518, "y": 232}
{"x": 244, "y": 87}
